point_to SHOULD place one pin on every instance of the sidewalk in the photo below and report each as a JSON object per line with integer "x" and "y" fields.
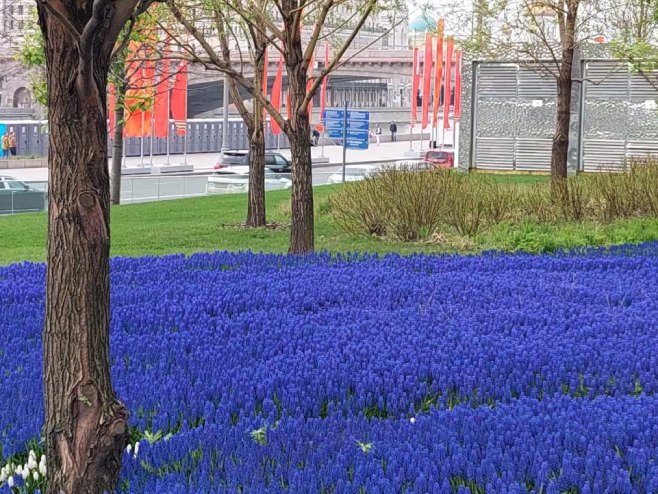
{"x": 388, "y": 151}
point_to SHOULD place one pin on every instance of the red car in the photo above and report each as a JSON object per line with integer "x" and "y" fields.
{"x": 440, "y": 159}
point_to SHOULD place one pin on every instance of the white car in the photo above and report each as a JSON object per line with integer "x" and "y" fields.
{"x": 353, "y": 173}
{"x": 235, "y": 179}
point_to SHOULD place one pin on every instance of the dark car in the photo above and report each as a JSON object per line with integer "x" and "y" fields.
{"x": 274, "y": 162}
{"x": 439, "y": 158}
{"x": 18, "y": 197}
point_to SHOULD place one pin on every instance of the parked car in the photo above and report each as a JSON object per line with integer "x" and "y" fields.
{"x": 440, "y": 158}
{"x": 353, "y": 173}
{"x": 410, "y": 165}
{"x": 275, "y": 162}
{"x": 235, "y": 179}
{"x": 18, "y": 197}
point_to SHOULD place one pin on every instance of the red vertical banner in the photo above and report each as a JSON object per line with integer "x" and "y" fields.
{"x": 427, "y": 79}
{"x": 323, "y": 93}
{"x": 133, "y": 100}
{"x": 179, "y": 100}
{"x": 148, "y": 92}
{"x": 438, "y": 73}
{"x": 111, "y": 106}
{"x": 276, "y": 95}
{"x": 161, "y": 106}
{"x": 458, "y": 86}
{"x": 447, "y": 92}
{"x": 414, "y": 89}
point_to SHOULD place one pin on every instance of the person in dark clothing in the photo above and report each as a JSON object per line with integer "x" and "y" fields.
{"x": 316, "y": 137}
{"x": 394, "y": 130}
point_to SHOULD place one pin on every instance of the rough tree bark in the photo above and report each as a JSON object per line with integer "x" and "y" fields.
{"x": 117, "y": 149}
{"x": 302, "y": 235}
{"x": 256, "y": 213}
{"x": 560, "y": 148}
{"x": 86, "y": 426}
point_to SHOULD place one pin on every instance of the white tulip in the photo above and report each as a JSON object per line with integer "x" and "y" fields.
{"x": 3, "y": 476}
{"x": 32, "y": 463}
{"x": 35, "y": 475}
{"x": 10, "y": 481}
{"x": 42, "y": 468}
{"x": 136, "y": 448}
{"x": 25, "y": 473}
{"x": 19, "y": 470}
{"x": 31, "y": 455}
{"x": 129, "y": 448}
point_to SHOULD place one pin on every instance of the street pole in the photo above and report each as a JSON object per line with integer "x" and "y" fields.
{"x": 344, "y": 139}
{"x": 225, "y": 118}
{"x": 455, "y": 145}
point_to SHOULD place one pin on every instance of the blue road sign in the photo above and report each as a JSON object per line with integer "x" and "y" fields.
{"x": 358, "y": 115}
{"x": 357, "y": 143}
{"x": 334, "y": 114}
{"x": 357, "y": 132}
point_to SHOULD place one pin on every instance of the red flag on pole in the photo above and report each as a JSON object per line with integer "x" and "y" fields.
{"x": 415, "y": 80}
{"x": 276, "y": 95}
{"x": 179, "y": 100}
{"x": 438, "y": 73}
{"x": 161, "y": 106}
{"x": 458, "y": 86}
{"x": 111, "y": 106}
{"x": 427, "y": 76}
{"x": 447, "y": 92}
{"x": 323, "y": 93}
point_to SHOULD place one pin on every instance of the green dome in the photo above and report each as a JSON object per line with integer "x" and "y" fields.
{"x": 422, "y": 23}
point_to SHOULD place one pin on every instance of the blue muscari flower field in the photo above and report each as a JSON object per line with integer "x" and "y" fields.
{"x": 425, "y": 374}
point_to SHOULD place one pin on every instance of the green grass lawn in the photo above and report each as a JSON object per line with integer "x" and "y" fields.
{"x": 210, "y": 223}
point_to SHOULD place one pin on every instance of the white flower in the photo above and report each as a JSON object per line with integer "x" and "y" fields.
{"x": 10, "y": 481}
{"x": 42, "y": 466}
{"x": 35, "y": 475}
{"x": 136, "y": 448}
{"x": 32, "y": 463}
{"x": 43, "y": 459}
{"x": 129, "y": 448}
{"x": 32, "y": 455}
{"x": 3, "y": 476}
{"x": 412, "y": 420}
{"x": 19, "y": 470}
{"x": 25, "y": 473}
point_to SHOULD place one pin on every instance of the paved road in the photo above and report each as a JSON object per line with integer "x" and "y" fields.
{"x": 204, "y": 162}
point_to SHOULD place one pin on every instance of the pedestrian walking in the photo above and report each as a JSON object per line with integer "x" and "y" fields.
{"x": 5, "y": 145}
{"x": 378, "y": 133}
{"x": 394, "y": 130}
{"x": 316, "y": 137}
{"x": 12, "y": 143}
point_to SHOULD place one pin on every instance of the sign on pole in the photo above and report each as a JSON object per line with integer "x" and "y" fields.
{"x": 351, "y": 126}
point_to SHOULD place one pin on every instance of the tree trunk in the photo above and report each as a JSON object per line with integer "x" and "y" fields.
{"x": 256, "y": 208}
{"x": 560, "y": 150}
{"x": 302, "y": 238}
{"x": 86, "y": 426}
{"x": 117, "y": 154}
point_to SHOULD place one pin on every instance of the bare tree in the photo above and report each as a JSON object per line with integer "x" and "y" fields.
{"x": 542, "y": 35}
{"x": 279, "y": 22}
{"x": 86, "y": 425}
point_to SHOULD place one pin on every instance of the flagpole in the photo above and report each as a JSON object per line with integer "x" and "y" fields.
{"x": 186, "y": 129}
{"x": 151, "y": 137}
{"x": 142, "y": 142}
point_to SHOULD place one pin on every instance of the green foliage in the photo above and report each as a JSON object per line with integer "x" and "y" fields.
{"x": 31, "y": 55}
{"x": 206, "y": 224}
{"x": 411, "y": 206}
